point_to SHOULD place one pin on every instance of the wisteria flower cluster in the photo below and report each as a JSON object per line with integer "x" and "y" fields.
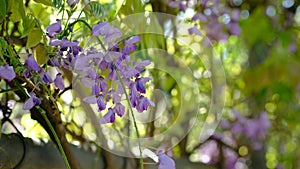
{"x": 32, "y": 69}
{"x": 93, "y": 66}
{"x": 37, "y": 74}
{"x": 254, "y": 129}
{"x": 116, "y": 62}
{"x": 218, "y": 21}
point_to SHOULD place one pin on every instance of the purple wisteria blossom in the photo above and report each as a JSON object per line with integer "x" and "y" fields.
{"x": 46, "y": 78}
{"x": 218, "y": 22}
{"x": 54, "y": 29}
{"x": 105, "y": 71}
{"x": 194, "y": 30}
{"x": 165, "y": 162}
{"x": 181, "y": 5}
{"x": 101, "y": 104}
{"x": 255, "y": 129}
{"x": 119, "y": 109}
{"x": 58, "y": 81}
{"x": 72, "y": 3}
{"x": 68, "y": 50}
{"x": 130, "y": 44}
{"x": 105, "y": 29}
{"x": 109, "y": 117}
{"x": 31, "y": 63}
{"x": 143, "y": 104}
{"x": 31, "y": 102}
{"x": 7, "y": 72}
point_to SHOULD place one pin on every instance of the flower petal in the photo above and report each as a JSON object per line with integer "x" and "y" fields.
{"x": 165, "y": 162}
{"x": 31, "y": 102}
{"x": 58, "y": 81}
{"x": 90, "y": 99}
{"x": 7, "y": 72}
{"x": 119, "y": 109}
{"x": 109, "y": 117}
{"x": 31, "y": 63}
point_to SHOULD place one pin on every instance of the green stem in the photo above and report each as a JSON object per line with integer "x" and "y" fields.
{"x": 134, "y": 121}
{"x": 50, "y": 126}
{"x": 9, "y": 90}
{"x": 56, "y": 138}
{"x": 90, "y": 28}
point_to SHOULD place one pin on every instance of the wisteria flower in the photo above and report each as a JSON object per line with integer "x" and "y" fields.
{"x": 58, "y": 81}
{"x": 194, "y": 30}
{"x": 101, "y": 104}
{"x": 130, "y": 44}
{"x": 98, "y": 69}
{"x": 133, "y": 95}
{"x": 31, "y": 102}
{"x": 7, "y": 72}
{"x": 109, "y": 117}
{"x": 105, "y": 29}
{"x": 54, "y": 28}
{"x": 72, "y": 3}
{"x": 143, "y": 104}
{"x": 31, "y": 63}
{"x": 90, "y": 99}
{"x": 45, "y": 77}
{"x": 119, "y": 109}
{"x": 200, "y": 17}
{"x": 165, "y": 162}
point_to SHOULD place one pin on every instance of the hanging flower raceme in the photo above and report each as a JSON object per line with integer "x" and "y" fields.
{"x": 69, "y": 50}
{"x": 98, "y": 69}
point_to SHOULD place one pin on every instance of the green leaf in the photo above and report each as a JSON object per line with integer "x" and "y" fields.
{"x": 132, "y": 6}
{"x": 34, "y": 38}
{"x": 17, "y": 10}
{"x": 95, "y": 8}
{"x": 41, "y": 12}
{"x": 3, "y": 46}
{"x": 40, "y": 54}
{"x": 28, "y": 24}
{"x": 44, "y": 2}
{"x": 257, "y": 28}
{"x": 3, "y": 8}
{"x": 57, "y": 3}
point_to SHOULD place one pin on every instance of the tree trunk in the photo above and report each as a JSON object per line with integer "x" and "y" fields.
{"x": 47, "y": 156}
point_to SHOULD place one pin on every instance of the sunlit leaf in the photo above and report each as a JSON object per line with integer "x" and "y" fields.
{"x": 45, "y": 2}
{"x": 57, "y": 3}
{"x": 41, "y": 12}
{"x": 95, "y": 8}
{"x": 131, "y": 6}
{"x": 17, "y": 10}
{"x": 28, "y": 24}
{"x": 3, "y": 8}
{"x": 257, "y": 28}
{"x": 34, "y": 37}
{"x": 40, "y": 54}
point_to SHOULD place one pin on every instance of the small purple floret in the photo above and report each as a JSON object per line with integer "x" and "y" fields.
{"x": 7, "y": 72}
{"x": 109, "y": 117}
{"x": 31, "y": 63}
